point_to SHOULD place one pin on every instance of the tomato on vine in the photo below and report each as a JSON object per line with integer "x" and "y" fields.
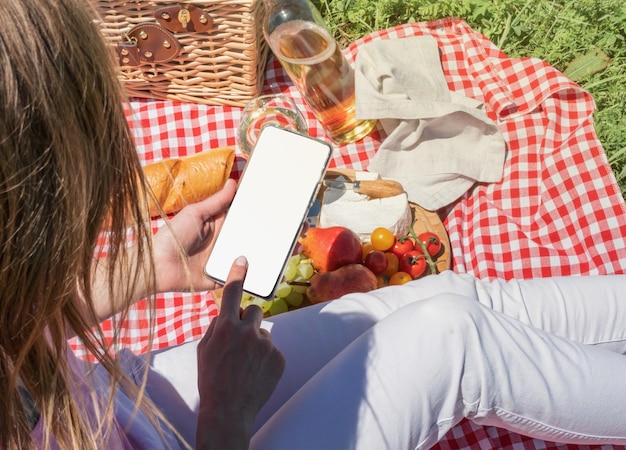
{"x": 414, "y": 263}
{"x": 431, "y": 243}
{"x": 401, "y": 245}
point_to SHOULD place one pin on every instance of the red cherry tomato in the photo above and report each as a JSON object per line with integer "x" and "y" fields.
{"x": 413, "y": 263}
{"x": 376, "y": 261}
{"x": 401, "y": 245}
{"x": 431, "y": 242}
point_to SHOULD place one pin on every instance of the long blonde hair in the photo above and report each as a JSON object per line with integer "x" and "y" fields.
{"x": 68, "y": 166}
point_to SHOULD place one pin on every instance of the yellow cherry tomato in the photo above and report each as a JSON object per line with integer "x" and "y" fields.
{"x": 366, "y": 247}
{"x": 393, "y": 264}
{"x": 382, "y": 239}
{"x": 399, "y": 278}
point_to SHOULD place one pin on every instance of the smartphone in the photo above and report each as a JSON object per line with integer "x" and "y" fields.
{"x": 276, "y": 190}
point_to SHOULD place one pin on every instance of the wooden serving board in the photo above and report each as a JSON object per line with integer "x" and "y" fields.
{"x": 423, "y": 220}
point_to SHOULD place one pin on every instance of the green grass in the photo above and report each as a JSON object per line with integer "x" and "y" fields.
{"x": 586, "y": 39}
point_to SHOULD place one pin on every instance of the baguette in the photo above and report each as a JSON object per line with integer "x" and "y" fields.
{"x": 177, "y": 182}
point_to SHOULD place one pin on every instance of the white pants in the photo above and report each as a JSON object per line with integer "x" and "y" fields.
{"x": 398, "y": 367}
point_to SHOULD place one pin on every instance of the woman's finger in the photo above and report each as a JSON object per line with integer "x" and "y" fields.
{"x": 233, "y": 289}
{"x": 252, "y": 314}
{"x": 265, "y": 333}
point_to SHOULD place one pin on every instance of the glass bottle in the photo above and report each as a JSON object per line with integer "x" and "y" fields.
{"x": 299, "y": 38}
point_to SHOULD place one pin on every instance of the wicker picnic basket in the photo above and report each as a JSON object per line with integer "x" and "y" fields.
{"x": 209, "y": 52}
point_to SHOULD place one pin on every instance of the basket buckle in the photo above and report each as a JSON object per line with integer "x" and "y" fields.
{"x": 181, "y": 18}
{"x": 147, "y": 43}
{"x": 127, "y": 52}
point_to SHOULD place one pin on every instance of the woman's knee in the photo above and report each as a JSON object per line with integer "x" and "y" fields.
{"x": 451, "y": 315}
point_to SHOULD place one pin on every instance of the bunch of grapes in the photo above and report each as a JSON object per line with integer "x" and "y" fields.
{"x": 291, "y": 290}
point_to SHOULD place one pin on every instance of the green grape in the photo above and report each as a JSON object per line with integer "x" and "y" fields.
{"x": 279, "y": 306}
{"x": 294, "y": 298}
{"x": 283, "y": 290}
{"x": 305, "y": 269}
{"x": 291, "y": 271}
{"x": 295, "y": 259}
{"x": 265, "y": 305}
{"x": 246, "y": 299}
{"x": 299, "y": 289}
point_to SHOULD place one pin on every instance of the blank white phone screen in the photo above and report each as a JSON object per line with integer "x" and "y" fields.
{"x": 278, "y": 185}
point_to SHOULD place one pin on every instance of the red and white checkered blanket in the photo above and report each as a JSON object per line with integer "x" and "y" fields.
{"x": 557, "y": 211}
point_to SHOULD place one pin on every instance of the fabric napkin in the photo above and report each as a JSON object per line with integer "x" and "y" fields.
{"x": 439, "y": 143}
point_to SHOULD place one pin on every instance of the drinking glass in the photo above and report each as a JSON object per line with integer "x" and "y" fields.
{"x": 271, "y": 109}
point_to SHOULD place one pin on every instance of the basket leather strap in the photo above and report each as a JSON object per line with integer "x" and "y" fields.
{"x": 148, "y": 43}
{"x": 181, "y": 18}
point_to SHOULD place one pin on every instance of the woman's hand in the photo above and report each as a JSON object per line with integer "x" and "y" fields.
{"x": 180, "y": 251}
{"x": 238, "y": 369}
{"x": 195, "y": 228}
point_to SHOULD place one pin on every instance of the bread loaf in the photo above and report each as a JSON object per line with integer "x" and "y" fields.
{"x": 177, "y": 182}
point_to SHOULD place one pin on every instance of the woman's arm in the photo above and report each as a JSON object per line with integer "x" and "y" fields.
{"x": 238, "y": 369}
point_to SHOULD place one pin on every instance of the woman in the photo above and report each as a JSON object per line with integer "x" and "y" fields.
{"x": 392, "y": 369}
{"x": 69, "y": 172}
